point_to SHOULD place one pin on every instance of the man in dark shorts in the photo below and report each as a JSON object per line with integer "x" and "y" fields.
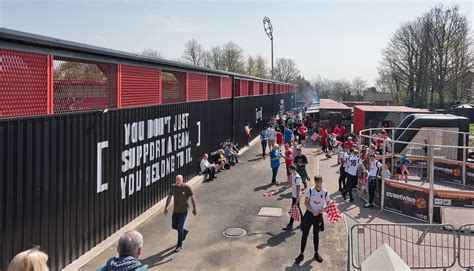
{"x": 181, "y": 193}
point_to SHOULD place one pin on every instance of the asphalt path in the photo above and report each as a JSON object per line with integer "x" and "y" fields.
{"x": 233, "y": 200}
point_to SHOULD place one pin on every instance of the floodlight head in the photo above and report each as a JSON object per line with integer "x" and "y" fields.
{"x": 267, "y": 25}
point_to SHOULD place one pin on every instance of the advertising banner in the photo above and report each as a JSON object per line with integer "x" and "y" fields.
{"x": 407, "y": 199}
{"x": 448, "y": 171}
{"x": 453, "y": 198}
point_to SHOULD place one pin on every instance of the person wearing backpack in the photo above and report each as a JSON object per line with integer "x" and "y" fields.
{"x": 375, "y": 168}
{"x": 316, "y": 201}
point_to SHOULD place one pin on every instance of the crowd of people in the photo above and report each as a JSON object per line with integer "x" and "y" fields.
{"x": 289, "y": 131}
{"x": 222, "y": 160}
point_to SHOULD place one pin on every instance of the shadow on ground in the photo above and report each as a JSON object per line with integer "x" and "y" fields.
{"x": 303, "y": 267}
{"x": 277, "y": 239}
{"x": 159, "y": 258}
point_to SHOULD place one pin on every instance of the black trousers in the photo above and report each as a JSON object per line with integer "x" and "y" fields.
{"x": 293, "y": 201}
{"x": 342, "y": 178}
{"x": 311, "y": 220}
{"x": 372, "y": 188}
{"x": 274, "y": 174}
{"x": 351, "y": 184}
{"x": 210, "y": 171}
{"x": 264, "y": 147}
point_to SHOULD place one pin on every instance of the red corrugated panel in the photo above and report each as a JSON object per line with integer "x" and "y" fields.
{"x": 197, "y": 87}
{"x": 226, "y": 87}
{"x": 251, "y": 88}
{"x": 213, "y": 87}
{"x": 359, "y": 119}
{"x": 264, "y": 89}
{"x": 24, "y": 84}
{"x": 237, "y": 87}
{"x": 257, "y": 90}
{"x": 244, "y": 88}
{"x": 140, "y": 86}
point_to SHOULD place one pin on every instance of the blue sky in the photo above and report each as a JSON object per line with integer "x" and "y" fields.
{"x": 331, "y": 39}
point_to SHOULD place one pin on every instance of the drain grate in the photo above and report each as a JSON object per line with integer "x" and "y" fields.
{"x": 234, "y": 232}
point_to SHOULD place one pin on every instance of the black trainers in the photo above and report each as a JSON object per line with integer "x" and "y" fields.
{"x": 318, "y": 257}
{"x": 185, "y": 234}
{"x": 344, "y": 195}
{"x": 351, "y": 200}
{"x": 299, "y": 259}
{"x": 178, "y": 248}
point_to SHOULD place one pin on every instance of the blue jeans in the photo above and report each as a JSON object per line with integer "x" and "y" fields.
{"x": 177, "y": 223}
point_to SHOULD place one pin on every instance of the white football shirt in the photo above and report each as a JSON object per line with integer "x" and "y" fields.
{"x": 317, "y": 199}
{"x": 352, "y": 164}
{"x": 295, "y": 180}
{"x": 374, "y": 167}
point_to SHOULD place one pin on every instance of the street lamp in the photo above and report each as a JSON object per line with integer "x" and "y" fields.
{"x": 267, "y": 25}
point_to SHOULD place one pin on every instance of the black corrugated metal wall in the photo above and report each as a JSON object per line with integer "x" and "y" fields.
{"x": 49, "y": 168}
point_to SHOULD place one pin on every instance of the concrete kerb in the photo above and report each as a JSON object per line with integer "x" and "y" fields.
{"x": 156, "y": 209}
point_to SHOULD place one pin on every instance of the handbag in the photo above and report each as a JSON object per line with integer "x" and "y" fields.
{"x": 314, "y": 137}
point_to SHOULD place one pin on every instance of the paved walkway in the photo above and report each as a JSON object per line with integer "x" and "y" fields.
{"x": 234, "y": 200}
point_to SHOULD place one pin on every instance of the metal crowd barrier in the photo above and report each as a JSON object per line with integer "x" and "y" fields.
{"x": 466, "y": 246}
{"x": 420, "y": 246}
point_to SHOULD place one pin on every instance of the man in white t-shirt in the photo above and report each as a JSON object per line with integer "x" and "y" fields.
{"x": 353, "y": 163}
{"x": 271, "y": 138}
{"x": 296, "y": 183}
{"x": 375, "y": 168}
{"x": 316, "y": 201}
{"x": 208, "y": 168}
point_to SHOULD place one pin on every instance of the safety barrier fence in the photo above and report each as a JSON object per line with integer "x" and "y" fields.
{"x": 420, "y": 246}
{"x": 439, "y": 175}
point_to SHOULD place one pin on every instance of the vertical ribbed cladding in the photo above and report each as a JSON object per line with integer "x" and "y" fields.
{"x": 49, "y": 167}
{"x": 140, "y": 86}
{"x": 24, "y": 84}
{"x": 226, "y": 87}
{"x": 197, "y": 87}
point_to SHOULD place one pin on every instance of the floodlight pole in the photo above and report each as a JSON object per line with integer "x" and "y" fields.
{"x": 267, "y": 26}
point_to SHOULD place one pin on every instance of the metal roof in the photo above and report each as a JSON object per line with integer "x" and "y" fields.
{"x": 311, "y": 111}
{"x": 10, "y": 39}
{"x": 400, "y": 109}
{"x": 332, "y": 105}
